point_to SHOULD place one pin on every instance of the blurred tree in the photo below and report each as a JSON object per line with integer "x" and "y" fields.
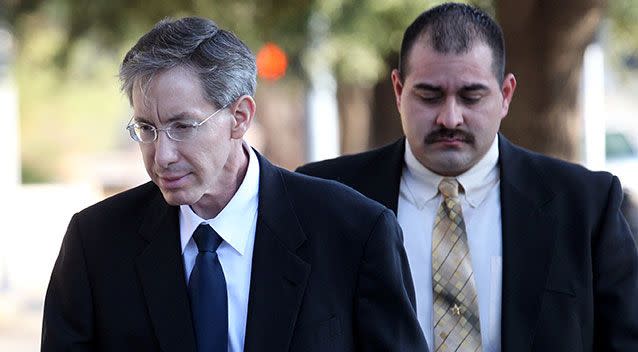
{"x": 68, "y": 55}
{"x": 545, "y": 41}
{"x": 547, "y": 61}
{"x": 112, "y": 22}
{"x": 623, "y": 26}
{"x": 361, "y": 47}
{"x": 544, "y": 116}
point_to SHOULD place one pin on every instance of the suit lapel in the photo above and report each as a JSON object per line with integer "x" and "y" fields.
{"x": 382, "y": 171}
{"x": 528, "y": 241}
{"x": 161, "y": 272}
{"x": 279, "y": 276}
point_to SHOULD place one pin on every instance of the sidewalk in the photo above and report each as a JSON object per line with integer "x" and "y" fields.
{"x": 20, "y": 322}
{"x": 36, "y": 218}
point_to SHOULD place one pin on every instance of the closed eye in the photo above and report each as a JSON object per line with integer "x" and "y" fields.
{"x": 144, "y": 126}
{"x": 470, "y": 99}
{"x": 183, "y": 125}
{"x": 430, "y": 97}
{"x": 428, "y": 93}
{"x": 472, "y": 94}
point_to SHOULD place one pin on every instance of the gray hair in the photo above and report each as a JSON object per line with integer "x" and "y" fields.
{"x": 224, "y": 64}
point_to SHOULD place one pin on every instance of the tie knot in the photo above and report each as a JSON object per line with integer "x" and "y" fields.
{"x": 206, "y": 238}
{"x": 449, "y": 187}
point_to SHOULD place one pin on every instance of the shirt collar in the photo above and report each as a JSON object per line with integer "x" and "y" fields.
{"x": 423, "y": 184}
{"x": 233, "y": 223}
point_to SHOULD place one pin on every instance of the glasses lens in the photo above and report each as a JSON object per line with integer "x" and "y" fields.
{"x": 142, "y": 132}
{"x": 132, "y": 133}
{"x": 181, "y": 131}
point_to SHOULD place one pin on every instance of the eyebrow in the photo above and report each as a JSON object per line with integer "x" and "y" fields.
{"x": 469, "y": 87}
{"x": 474, "y": 87}
{"x": 177, "y": 117}
{"x": 426, "y": 86}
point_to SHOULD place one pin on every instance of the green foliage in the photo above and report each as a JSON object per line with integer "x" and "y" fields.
{"x": 624, "y": 16}
{"x": 109, "y": 23}
{"x": 622, "y": 30}
{"x": 64, "y": 111}
{"x": 363, "y": 33}
{"x": 69, "y": 51}
{"x": 67, "y": 62}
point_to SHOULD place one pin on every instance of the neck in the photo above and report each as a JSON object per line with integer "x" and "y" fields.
{"x": 229, "y": 181}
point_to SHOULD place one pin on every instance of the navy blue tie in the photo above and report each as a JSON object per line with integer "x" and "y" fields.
{"x": 207, "y": 290}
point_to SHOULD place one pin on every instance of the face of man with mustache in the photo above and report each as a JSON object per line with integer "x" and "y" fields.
{"x": 451, "y": 105}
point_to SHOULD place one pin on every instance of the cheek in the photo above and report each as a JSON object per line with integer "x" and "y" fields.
{"x": 202, "y": 161}
{"x": 420, "y": 122}
{"x": 482, "y": 116}
{"x": 148, "y": 156}
{"x": 415, "y": 115}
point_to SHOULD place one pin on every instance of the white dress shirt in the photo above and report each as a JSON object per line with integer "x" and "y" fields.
{"x": 236, "y": 224}
{"x": 419, "y": 200}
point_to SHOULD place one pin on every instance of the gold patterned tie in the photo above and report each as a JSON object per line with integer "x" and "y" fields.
{"x": 456, "y": 315}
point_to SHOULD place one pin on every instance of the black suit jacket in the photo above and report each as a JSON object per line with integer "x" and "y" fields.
{"x": 570, "y": 267}
{"x": 329, "y": 274}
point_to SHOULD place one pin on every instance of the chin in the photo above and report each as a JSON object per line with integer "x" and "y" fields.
{"x": 450, "y": 166}
{"x": 176, "y": 198}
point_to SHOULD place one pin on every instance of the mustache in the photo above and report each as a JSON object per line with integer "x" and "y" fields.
{"x": 446, "y": 133}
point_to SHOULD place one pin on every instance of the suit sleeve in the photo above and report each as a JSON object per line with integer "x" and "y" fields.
{"x": 68, "y": 314}
{"x": 615, "y": 269}
{"x": 385, "y": 314}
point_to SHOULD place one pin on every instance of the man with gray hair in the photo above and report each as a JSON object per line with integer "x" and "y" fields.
{"x": 509, "y": 250}
{"x": 223, "y": 251}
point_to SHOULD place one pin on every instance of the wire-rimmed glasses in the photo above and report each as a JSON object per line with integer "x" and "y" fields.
{"x": 179, "y": 131}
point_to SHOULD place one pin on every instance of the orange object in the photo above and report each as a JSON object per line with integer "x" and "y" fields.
{"x": 271, "y": 62}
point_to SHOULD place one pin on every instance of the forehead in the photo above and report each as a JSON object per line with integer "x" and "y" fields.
{"x": 168, "y": 92}
{"x": 474, "y": 66}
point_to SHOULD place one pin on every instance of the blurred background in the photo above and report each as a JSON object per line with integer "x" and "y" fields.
{"x": 323, "y": 90}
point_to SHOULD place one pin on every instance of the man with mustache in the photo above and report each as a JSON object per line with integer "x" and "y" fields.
{"x": 223, "y": 251}
{"x": 509, "y": 250}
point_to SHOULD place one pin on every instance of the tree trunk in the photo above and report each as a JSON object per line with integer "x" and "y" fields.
{"x": 545, "y": 41}
{"x": 386, "y": 122}
{"x": 278, "y": 129}
{"x": 369, "y": 116}
{"x": 354, "y": 112}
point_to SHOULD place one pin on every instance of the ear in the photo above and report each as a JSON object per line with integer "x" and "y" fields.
{"x": 397, "y": 85}
{"x": 507, "y": 90}
{"x": 243, "y": 111}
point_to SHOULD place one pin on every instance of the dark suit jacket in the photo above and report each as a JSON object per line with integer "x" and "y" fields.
{"x": 329, "y": 273}
{"x": 570, "y": 268}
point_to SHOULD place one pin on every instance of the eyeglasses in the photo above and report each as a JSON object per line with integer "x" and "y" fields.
{"x": 178, "y": 130}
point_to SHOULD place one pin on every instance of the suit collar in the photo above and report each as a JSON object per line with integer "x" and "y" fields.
{"x": 275, "y": 206}
{"x": 279, "y": 275}
{"x": 278, "y": 278}
{"x": 161, "y": 272}
{"x": 386, "y": 166}
{"x": 517, "y": 169}
{"x": 528, "y": 234}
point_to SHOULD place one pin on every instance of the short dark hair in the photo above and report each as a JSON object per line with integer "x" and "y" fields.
{"x": 455, "y": 28}
{"x": 224, "y": 64}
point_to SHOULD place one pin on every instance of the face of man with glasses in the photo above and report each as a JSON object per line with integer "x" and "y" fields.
{"x": 189, "y": 145}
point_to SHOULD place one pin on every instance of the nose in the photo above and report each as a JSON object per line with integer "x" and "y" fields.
{"x": 166, "y": 152}
{"x": 450, "y": 116}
